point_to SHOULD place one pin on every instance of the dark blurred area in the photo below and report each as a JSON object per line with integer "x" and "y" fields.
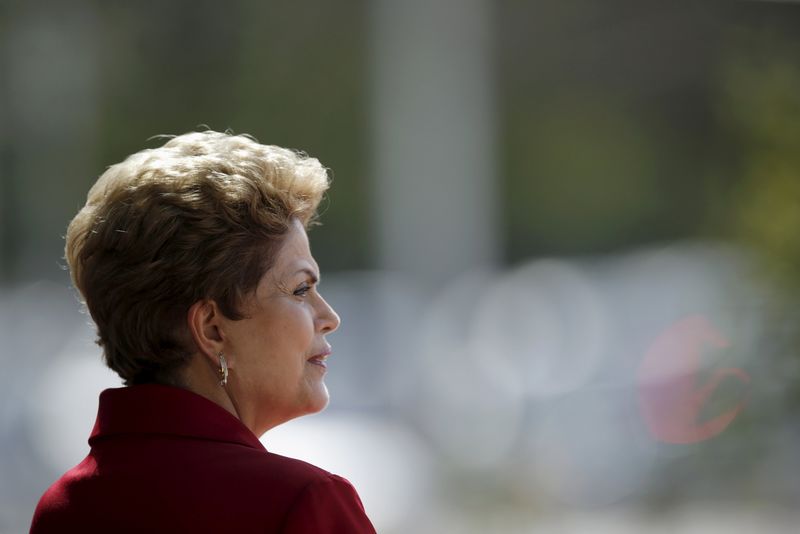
{"x": 562, "y": 237}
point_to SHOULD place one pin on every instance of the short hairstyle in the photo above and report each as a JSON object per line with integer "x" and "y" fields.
{"x": 199, "y": 218}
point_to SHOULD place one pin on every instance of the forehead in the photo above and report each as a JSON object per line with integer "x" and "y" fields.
{"x": 294, "y": 252}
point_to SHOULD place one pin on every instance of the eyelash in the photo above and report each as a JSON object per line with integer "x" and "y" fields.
{"x": 302, "y": 291}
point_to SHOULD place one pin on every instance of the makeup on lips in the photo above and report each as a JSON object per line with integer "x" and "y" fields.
{"x": 320, "y": 358}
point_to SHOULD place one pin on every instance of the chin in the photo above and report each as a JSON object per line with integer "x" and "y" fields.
{"x": 319, "y": 401}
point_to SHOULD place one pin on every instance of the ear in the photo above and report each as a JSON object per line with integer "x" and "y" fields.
{"x": 205, "y": 325}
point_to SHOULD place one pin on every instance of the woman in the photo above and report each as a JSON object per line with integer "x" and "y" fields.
{"x": 194, "y": 263}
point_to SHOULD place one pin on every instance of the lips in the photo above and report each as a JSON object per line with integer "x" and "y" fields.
{"x": 319, "y": 359}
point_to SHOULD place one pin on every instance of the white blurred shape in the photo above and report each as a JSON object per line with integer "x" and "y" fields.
{"x": 473, "y": 415}
{"x": 390, "y": 468}
{"x": 543, "y": 325}
{"x": 63, "y": 405}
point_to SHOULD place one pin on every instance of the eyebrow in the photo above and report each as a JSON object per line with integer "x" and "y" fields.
{"x": 311, "y": 274}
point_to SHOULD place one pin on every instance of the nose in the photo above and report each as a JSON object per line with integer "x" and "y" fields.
{"x": 327, "y": 319}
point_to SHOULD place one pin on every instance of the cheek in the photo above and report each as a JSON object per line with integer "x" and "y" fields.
{"x": 275, "y": 342}
{"x": 287, "y": 337}
{"x": 296, "y": 326}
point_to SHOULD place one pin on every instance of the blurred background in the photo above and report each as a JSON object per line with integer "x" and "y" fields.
{"x": 562, "y": 237}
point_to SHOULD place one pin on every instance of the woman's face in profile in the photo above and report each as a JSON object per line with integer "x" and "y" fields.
{"x": 277, "y": 351}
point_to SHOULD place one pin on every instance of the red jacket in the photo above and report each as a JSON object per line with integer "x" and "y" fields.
{"x": 163, "y": 459}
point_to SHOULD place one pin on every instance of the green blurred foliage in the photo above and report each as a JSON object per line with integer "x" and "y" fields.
{"x": 613, "y": 131}
{"x": 585, "y": 177}
{"x": 752, "y": 179}
{"x": 605, "y": 121}
{"x": 759, "y": 108}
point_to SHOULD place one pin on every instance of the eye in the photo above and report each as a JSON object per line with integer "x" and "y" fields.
{"x": 302, "y": 291}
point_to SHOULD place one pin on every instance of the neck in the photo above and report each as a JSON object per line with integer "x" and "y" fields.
{"x": 198, "y": 377}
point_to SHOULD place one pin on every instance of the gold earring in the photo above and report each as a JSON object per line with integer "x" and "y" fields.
{"x": 223, "y": 370}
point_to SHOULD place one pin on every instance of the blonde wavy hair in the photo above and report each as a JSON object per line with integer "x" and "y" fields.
{"x": 198, "y": 218}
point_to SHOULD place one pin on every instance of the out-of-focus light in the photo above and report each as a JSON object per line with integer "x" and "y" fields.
{"x": 543, "y": 325}
{"x": 670, "y": 399}
{"x": 390, "y": 467}
{"x": 471, "y": 407}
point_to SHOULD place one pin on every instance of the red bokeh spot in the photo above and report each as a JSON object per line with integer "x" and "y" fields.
{"x": 670, "y": 399}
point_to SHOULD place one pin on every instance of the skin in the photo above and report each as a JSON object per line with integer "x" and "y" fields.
{"x": 272, "y": 376}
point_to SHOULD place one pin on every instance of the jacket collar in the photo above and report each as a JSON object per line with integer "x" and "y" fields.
{"x": 167, "y": 410}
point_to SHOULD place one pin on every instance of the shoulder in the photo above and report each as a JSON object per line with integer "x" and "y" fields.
{"x": 265, "y": 466}
{"x": 54, "y": 504}
{"x": 315, "y": 500}
{"x": 258, "y": 475}
{"x": 327, "y": 504}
